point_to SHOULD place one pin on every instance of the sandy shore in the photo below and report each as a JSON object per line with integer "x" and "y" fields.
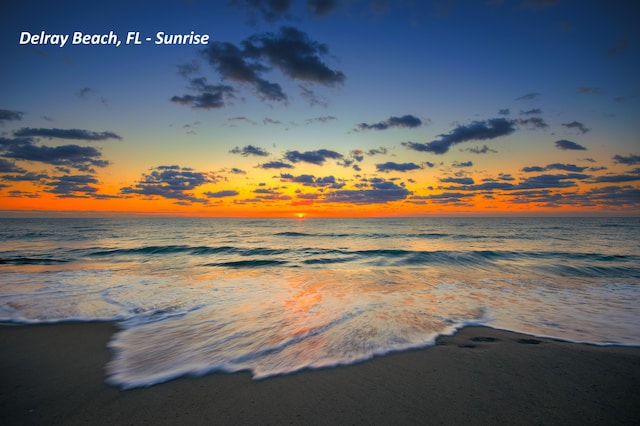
{"x": 54, "y": 374}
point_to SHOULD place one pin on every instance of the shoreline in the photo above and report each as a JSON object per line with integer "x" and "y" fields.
{"x": 54, "y": 374}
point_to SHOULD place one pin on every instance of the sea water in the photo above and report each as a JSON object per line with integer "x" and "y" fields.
{"x": 273, "y": 296}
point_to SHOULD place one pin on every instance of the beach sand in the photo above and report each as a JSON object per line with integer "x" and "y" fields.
{"x": 54, "y": 374}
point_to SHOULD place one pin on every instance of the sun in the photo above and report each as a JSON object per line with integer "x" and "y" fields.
{"x": 301, "y": 215}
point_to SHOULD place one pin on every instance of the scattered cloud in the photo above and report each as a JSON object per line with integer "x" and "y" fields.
{"x": 323, "y": 119}
{"x": 504, "y": 111}
{"x": 207, "y": 96}
{"x": 249, "y": 150}
{"x": 630, "y": 160}
{"x": 532, "y": 123}
{"x": 290, "y": 50}
{"x": 528, "y": 96}
{"x": 9, "y": 115}
{"x": 404, "y": 121}
{"x": 9, "y": 167}
{"x": 82, "y": 158}
{"x": 321, "y": 7}
{"x": 397, "y": 167}
{"x": 312, "y": 181}
{"x": 313, "y": 157}
{"x": 569, "y": 145}
{"x": 576, "y": 125}
{"x": 531, "y": 111}
{"x": 86, "y": 135}
{"x": 172, "y": 182}
{"x": 221, "y": 194}
{"x": 484, "y": 150}
{"x": 373, "y": 191}
{"x": 276, "y": 165}
{"x": 477, "y": 130}
{"x": 555, "y": 166}
{"x": 72, "y": 186}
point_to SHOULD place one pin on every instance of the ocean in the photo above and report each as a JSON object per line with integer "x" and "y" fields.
{"x": 274, "y": 296}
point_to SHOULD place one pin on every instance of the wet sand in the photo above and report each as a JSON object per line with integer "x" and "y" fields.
{"x": 54, "y": 374}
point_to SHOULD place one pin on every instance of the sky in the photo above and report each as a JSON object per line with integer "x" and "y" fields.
{"x": 320, "y": 108}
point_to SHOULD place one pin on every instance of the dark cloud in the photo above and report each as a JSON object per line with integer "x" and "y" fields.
{"x": 377, "y": 151}
{"x": 576, "y": 125}
{"x": 312, "y": 181}
{"x": 269, "y": 10}
{"x": 172, "y": 182}
{"x": 324, "y": 119}
{"x": 79, "y": 134}
{"x": 290, "y": 50}
{"x": 617, "y": 178}
{"x": 532, "y": 122}
{"x": 404, "y": 121}
{"x": 72, "y": 186}
{"x": 26, "y": 177}
{"x": 447, "y": 197}
{"x": 313, "y": 157}
{"x": 321, "y": 7}
{"x": 250, "y": 150}
{"x": 374, "y": 191}
{"x": 477, "y": 130}
{"x": 565, "y": 145}
{"x": 311, "y": 96}
{"x": 8, "y": 115}
{"x": 463, "y": 164}
{"x": 528, "y": 96}
{"x": 504, "y": 111}
{"x": 566, "y": 167}
{"x": 631, "y": 159}
{"x": 207, "y": 96}
{"x": 276, "y": 165}
{"x": 484, "y": 150}
{"x": 79, "y": 157}
{"x": 531, "y": 111}
{"x": 221, "y": 194}
{"x": 9, "y": 167}
{"x": 460, "y": 181}
{"x": 390, "y": 166}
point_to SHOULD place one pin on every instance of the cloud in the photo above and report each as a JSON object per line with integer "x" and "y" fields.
{"x": 8, "y": 115}
{"x": 221, "y": 194}
{"x": 208, "y": 96}
{"x": 276, "y": 165}
{"x": 290, "y": 50}
{"x": 312, "y": 181}
{"x": 555, "y": 166}
{"x": 565, "y": 145}
{"x": 249, "y": 150}
{"x": 477, "y": 130}
{"x": 397, "y": 167}
{"x": 313, "y": 157}
{"x": 404, "y": 121}
{"x": 576, "y": 125}
{"x": 72, "y": 186}
{"x": 460, "y": 181}
{"x": 9, "y": 167}
{"x": 323, "y": 119}
{"x": 463, "y": 164}
{"x": 484, "y": 150}
{"x": 79, "y": 157}
{"x": 378, "y": 191}
{"x": 26, "y": 177}
{"x": 269, "y": 10}
{"x": 528, "y": 97}
{"x": 172, "y": 182}
{"x": 79, "y": 134}
{"x": 531, "y": 111}
{"x": 618, "y": 178}
{"x": 321, "y": 7}
{"x": 631, "y": 159}
{"x": 532, "y": 122}
{"x": 447, "y": 197}
{"x": 504, "y": 111}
